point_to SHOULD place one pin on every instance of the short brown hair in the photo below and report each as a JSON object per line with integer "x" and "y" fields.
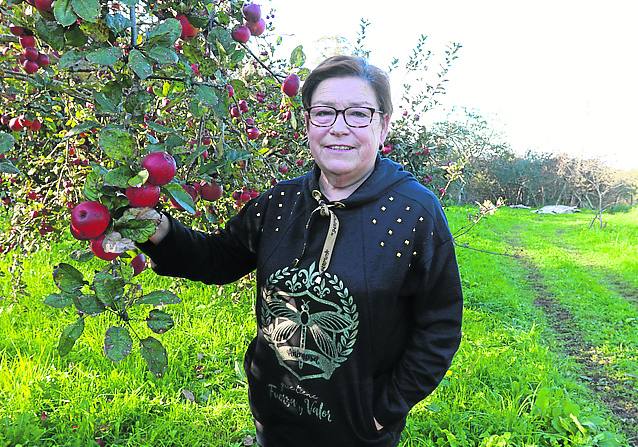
{"x": 343, "y": 66}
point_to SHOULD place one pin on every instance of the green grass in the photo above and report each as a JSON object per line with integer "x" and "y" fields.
{"x": 509, "y": 385}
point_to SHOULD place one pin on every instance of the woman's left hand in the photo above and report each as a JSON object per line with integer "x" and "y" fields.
{"x": 376, "y": 423}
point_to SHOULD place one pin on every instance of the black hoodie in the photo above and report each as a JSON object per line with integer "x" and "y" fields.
{"x": 358, "y": 304}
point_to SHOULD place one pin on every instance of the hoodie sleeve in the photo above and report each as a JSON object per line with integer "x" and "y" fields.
{"x": 437, "y": 306}
{"x": 220, "y": 257}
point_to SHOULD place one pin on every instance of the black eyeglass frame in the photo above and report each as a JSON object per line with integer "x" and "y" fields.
{"x": 343, "y": 112}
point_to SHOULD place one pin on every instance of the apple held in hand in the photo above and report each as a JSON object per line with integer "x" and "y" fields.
{"x": 160, "y": 166}
{"x": 143, "y": 196}
{"x": 290, "y": 85}
{"x": 98, "y": 249}
{"x": 89, "y": 220}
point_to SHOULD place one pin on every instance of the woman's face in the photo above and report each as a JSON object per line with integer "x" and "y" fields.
{"x": 346, "y": 154}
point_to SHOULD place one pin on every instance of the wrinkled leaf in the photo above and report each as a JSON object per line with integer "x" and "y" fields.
{"x": 155, "y": 355}
{"x": 51, "y": 33}
{"x": 115, "y": 243}
{"x": 59, "y": 300}
{"x": 166, "y": 33}
{"x": 297, "y": 57}
{"x": 118, "y": 177}
{"x": 70, "y": 335}
{"x": 137, "y": 230}
{"x": 6, "y": 142}
{"x": 75, "y": 37}
{"x": 68, "y": 278}
{"x": 163, "y": 55}
{"x": 117, "y": 343}
{"x": 63, "y": 12}
{"x": 70, "y": 58}
{"x": 159, "y": 297}
{"x": 105, "y": 56}
{"x": 117, "y": 143}
{"x": 117, "y": 23}
{"x": 180, "y": 196}
{"x": 159, "y": 321}
{"x": 109, "y": 290}
{"x": 89, "y": 304}
{"x": 139, "y": 64}
{"x": 89, "y": 10}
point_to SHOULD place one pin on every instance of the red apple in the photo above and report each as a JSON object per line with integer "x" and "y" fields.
{"x": 256, "y": 28}
{"x": 43, "y": 5}
{"x": 210, "y": 191}
{"x": 252, "y": 12}
{"x": 16, "y": 124}
{"x": 31, "y": 54}
{"x": 243, "y": 106}
{"x": 234, "y": 112}
{"x": 231, "y": 90}
{"x": 143, "y": 196}
{"x": 36, "y": 125}
{"x": 160, "y": 166}
{"x": 30, "y": 66}
{"x": 16, "y": 30}
{"x": 89, "y": 220}
{"x": 290, "y": 85}
{"x": 43, "y": 60}
{"x": 138, "y": 263}
{"x": 241, "y": 34}
{"x": 253, "y": 133}
{"x": 27, "y": 41}
{"x": 283, "y": 168}
{"x": 98, "y": 249}
{"x": 188, "y": 30}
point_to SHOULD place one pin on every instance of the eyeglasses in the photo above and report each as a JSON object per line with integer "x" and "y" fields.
{"x": 326, "y": 116}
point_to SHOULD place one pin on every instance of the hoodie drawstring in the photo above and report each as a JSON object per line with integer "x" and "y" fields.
{"x": 325, "y": 210}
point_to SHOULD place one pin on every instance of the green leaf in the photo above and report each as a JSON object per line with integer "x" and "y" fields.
{"x": 297, "y": 57}
{"x": 137, "y": 230}
{"x": 108, "y": 289}
{"x": 174, "y": 140}
{"x": 117, "y": 23}
{"x": 138, "y": 179}
{"x": 159, "y": 321}
{"x": 109, "y": 99}
{"x": 75, "y": 37}
{"x": 68, "y": 278}
{"x": 82, "y": 127}
{"x": 117, "y": 143}
{"x": 82, "y": 255}
{"x": 163, "y": 55}
{"x": 117, "y": 343}
{"x": 6, "y": 142}
{"x": 165, "y": 34}
{"x": 207, "y": 95}
{"x": 69, "y": 336}
{"x": 118, "y": 177}
{"x": 58, "y": 300}
{"x": 63, "y": 12}
{"x": 93, "y": 184}
{"x": 159, "y": 297}
{"x": 139, "y": 103}
{"x": 155, "y": 355}
{"x": 105, "y": 56}
{"x": 89, "y": 10}
{"x": 180, "y": 196}
{"x": 69, "y": 59}
{"x": 159, "y": 128}
{"x": 51, "y": 33}
{"x": 139, "y": 64}
{"x": 89, "y": 304}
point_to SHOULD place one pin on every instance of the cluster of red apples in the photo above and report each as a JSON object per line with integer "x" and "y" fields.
{"x": 30, "y": 58}
{"x": 253, "y": 26}
{"x": 90, "y": 220}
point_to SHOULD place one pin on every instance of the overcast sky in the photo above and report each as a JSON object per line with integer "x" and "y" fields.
{"x": 558, "y": 75}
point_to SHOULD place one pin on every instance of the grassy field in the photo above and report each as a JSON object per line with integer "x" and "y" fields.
{"x": 549, "y": 354}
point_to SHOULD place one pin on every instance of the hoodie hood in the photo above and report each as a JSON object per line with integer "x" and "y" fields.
{"x": 386, "y": 174}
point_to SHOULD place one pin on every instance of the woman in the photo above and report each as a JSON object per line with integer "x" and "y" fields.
{"x": 358, "y": 293}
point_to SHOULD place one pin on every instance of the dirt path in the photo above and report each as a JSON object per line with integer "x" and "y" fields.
{"x": 562, "y": 323}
